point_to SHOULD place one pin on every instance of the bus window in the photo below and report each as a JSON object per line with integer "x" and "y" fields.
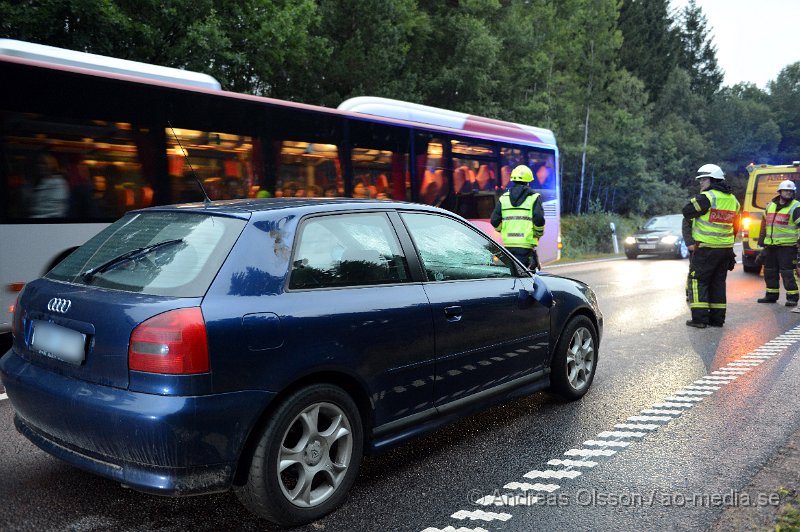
{"x": 380, "y": 162}
{"x": 432, "y": 176}
{"x": 474, "y": 167}
{"x": 510, "y": 158}
{"x": 87, "y": 170}
{"x": 542, "y": 164}
{"x": 307, "y": 169}
{"x": 223, "y": 162}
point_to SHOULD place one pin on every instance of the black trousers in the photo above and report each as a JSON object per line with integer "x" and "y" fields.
{"x": 779, "y": 262}
{"x": 705, "y": 286}
{"x": 526, "y": 256}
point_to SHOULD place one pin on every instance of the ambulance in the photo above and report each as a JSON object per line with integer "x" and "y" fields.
{"x": 762, "y": 187}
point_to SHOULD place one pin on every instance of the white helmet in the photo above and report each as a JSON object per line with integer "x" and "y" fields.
{"x": 787, "y": 185}
{"x": 710, "y": 170}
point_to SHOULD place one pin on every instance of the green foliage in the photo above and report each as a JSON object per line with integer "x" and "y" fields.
{"x": 586, "y": 234}
{"x": 630, "y": 88}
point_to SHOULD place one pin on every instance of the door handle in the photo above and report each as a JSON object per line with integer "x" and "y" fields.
{"x": 452, "y": 313}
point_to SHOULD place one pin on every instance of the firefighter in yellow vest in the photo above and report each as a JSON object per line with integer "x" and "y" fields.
{"x": 778, "y": 238}
{"x": 711, "y": 221}
{"x": 519, "y": 216}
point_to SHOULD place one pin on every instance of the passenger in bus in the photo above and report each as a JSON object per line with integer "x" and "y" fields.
{"x": 544, "y": 177}
{"x": 360, "y": 190}
{"x": 485, "y": 180}
{"x": 48, "y": 191}
{"x": 460, "y": 182}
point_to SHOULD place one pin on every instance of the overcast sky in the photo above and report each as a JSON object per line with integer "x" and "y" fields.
{"x": 755, "y": 39}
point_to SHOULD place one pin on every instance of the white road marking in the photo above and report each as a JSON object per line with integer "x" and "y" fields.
{"x": 661, "y": 412}
{"x": 549, "y": 473}
{"x": 692, "y": 392}
{"x": 585, "y": 453}
{"x": 620, "y": 434}
{"x": 508, "y": 499}
{"x": 524, "y": 486}
{"x": 705, "y": 382}
{"x": 684, "y": 399}
{"x": 649, "y": 418}
{"x": 673, "y": 405}
{"x": 480, "y": 515}
{"x": 705, "y": 388}
{"x": 3, "y": 396}
{"x": 572, "y": 463}
{"x": 637, "y": 426}
{"x": 451, "y": 529}
{"x": 606, "y": 443}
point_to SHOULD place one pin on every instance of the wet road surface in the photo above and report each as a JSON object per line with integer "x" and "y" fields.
{"x": 678, "y": 474}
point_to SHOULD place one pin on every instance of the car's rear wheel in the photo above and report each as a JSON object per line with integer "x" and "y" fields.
{"x": 307, "y": 457}
{"x": 575, "y": 359}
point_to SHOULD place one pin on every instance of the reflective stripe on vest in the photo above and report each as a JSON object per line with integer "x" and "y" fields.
{"x": 517, "y": 228}
{"x": 714, "y": 229}
{"x": 780, "y": 231}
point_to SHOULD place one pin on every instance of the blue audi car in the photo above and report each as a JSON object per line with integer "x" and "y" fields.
{"x": 266, "y": 345}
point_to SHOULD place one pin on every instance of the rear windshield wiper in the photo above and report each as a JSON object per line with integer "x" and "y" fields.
{"x": 133, "y": 254}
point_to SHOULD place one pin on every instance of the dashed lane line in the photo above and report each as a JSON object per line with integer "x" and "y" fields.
{"x": 3, "y": 396}
{"x": 634, "y": 429}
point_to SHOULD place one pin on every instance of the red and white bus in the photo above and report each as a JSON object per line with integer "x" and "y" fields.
{"x": 84, "y": 138}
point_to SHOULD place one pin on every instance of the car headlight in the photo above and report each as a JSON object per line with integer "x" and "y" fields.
{"x": 669, "y": 239}
{"x": 630, "y": 240}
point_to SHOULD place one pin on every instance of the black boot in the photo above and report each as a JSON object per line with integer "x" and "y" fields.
{"x": 791, "y": 303}
{"x": 769, "y": 298}
{"x": 697, "y": 324}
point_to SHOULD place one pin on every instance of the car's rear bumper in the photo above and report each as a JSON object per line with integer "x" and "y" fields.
{"x": 165, "y": 445}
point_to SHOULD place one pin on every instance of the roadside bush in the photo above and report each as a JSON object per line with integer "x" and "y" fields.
{"x": 590, "y": 234}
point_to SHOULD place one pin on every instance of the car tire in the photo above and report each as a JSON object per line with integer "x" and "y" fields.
{"x": 575, "y": 359}
{"x": 307, "y": 457}
{"x": 631, "y": 255}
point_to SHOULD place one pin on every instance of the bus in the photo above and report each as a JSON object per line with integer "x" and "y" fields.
{"x": 762, "y": 187}
{"x": 85, "y": 138}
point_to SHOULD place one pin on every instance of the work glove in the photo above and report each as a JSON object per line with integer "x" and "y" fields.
{"x": 760, "y": 258}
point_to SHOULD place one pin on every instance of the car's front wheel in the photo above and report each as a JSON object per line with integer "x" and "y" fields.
{"x": 575, "y": 359}
{"x": 631, "y": 254}
{"x": 307, "y": 457}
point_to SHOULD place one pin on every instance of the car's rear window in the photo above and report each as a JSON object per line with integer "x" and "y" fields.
{"x": 178, "y": 254}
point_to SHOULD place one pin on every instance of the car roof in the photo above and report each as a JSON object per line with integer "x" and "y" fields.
{"x": 245, "y": 208}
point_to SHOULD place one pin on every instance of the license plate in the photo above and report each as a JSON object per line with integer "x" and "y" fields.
{"x": 647, "y": 246}
{"x": 58, "y": 342}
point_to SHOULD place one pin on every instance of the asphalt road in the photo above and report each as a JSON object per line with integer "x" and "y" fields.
{"x": 685, "y": 463}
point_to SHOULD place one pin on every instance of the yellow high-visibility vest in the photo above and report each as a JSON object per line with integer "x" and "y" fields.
{"x": 518, "y": 229}
{"x": 714, "y": 229}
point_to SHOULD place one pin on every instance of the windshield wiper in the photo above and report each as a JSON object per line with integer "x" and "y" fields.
{"x": 128, "y": 256}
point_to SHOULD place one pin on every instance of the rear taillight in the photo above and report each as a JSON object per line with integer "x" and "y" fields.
{"x": 14, "y": 310}
{"x": 174, "y": 342}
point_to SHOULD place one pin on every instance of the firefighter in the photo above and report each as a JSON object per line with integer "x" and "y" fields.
{"x": 519, "y": 216}
{"x": 778, "y": 238}
{"x": 711, "y": 220}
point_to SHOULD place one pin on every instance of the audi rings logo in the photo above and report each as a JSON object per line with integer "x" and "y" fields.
{"x": 59, "y": 305}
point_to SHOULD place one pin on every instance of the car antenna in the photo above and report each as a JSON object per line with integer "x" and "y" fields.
{"x": 206, "y": 199}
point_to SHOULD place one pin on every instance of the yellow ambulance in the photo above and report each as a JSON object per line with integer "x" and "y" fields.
{"x": 762, "y": 187}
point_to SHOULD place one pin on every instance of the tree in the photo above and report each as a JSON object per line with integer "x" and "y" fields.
{"x": 651, "y": 42}
{"x": 698, "y": 55}
{"x": 785, "y": 100}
